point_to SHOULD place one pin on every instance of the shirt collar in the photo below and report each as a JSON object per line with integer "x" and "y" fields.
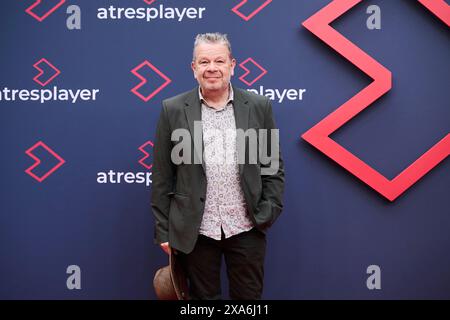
{"x": 230, "y": 96}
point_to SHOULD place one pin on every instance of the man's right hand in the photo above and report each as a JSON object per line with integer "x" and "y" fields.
{"x": 165, "y": 246}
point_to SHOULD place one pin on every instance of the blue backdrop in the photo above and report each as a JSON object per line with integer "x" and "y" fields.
{"x": 333, "y": 226}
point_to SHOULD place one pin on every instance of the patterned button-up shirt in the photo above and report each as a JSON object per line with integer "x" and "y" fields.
{"x": 225, "y": 207}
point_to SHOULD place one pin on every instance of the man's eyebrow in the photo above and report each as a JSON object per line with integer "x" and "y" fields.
{"x": 206, "y": 58}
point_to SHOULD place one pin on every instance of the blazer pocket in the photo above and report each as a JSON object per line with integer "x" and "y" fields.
{"x": 173, "y": 194}
{"x": 182, "y": 201}
{"x": 179, "y": 194}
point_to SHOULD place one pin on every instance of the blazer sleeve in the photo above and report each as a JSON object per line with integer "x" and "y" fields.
{"x": 163, "y": 176}
{"x": 273, "y": 180}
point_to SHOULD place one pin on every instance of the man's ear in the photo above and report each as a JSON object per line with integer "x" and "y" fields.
{"x": 233, "y": 65}
{"x": 193, "y": 69}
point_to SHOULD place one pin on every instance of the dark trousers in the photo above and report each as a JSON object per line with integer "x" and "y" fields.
{"x": 244, "y": 258}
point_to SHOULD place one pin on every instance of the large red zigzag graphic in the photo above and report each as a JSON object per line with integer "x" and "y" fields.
{"x": 318, "y": 136}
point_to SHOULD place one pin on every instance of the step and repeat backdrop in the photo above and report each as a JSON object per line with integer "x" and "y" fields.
{"x": 359, "y": 91}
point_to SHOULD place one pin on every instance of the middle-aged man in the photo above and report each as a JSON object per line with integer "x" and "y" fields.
{"x": 204, "y": 208}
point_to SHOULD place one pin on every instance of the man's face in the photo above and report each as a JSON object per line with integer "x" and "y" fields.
{"x": 213, "y": 67}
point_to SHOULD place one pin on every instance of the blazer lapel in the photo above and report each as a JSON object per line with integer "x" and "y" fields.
{"x": 193, "y": 113}
{"x": 241, "y": 116}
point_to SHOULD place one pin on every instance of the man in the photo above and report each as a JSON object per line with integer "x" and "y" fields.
{"x": 208, "y": 206}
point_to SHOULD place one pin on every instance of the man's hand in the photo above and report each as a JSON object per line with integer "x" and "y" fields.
{"x": 165, "y": 246}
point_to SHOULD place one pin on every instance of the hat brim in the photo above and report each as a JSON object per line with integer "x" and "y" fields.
{"x": 178, "y": 277}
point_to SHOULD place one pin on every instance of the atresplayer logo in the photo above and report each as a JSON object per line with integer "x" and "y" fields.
{"x": 47, "y": 72}
{"x": 254, "y": 72}
{"x": 120, "y": 177}
{"x": 150, "y": 13}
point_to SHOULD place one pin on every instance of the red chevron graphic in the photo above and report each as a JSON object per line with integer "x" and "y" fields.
{"x": 149, "y": 1}
{"x": 29, "y": 10}
{"x": 247, "y": 71}
{"x": 37, "y": 162}
{"x": 135, "y": 71}
{"x": 142, "y": 160}
{"x": 439, "y": 8}
{"x": 41, "y": 72}
{"x": 251, "y": 15}
{"x": 318, "y": 136}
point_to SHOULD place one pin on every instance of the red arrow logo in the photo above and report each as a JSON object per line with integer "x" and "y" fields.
{"x": 247, "y": 71}
{"x": 318, "y": 136}
{"x": 146, "y": 155}
{"x": 29, "y": 10}
{"x": 41, "y": 72}
{"x": 37, "y": 162}
{"x": 253, "y": 13}
{"x": 135, "y": 71}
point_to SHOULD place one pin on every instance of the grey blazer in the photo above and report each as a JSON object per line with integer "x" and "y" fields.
{"x": 179, "y": 191}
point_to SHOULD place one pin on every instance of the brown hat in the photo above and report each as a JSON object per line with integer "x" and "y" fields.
{"x": 170, "y": 282}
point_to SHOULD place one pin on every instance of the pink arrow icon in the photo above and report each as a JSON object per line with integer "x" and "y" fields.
{"x": 319, "y": 134}
{"x": 29, "y": 10}
{"x": 41, "y": 72}
{"x": 146, "y": 155}
{"x": 247, "y": 71}
{"x": 253, "y": 13}
{"x": 37, "y": 162}
{"x": 135, "y": 71}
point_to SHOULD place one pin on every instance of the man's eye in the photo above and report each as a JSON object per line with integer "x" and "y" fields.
{"x": 203, "y": 62}
{"x": 220, "y": 61}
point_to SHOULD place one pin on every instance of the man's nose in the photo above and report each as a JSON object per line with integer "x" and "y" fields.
{"x": 211, "y": 67}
